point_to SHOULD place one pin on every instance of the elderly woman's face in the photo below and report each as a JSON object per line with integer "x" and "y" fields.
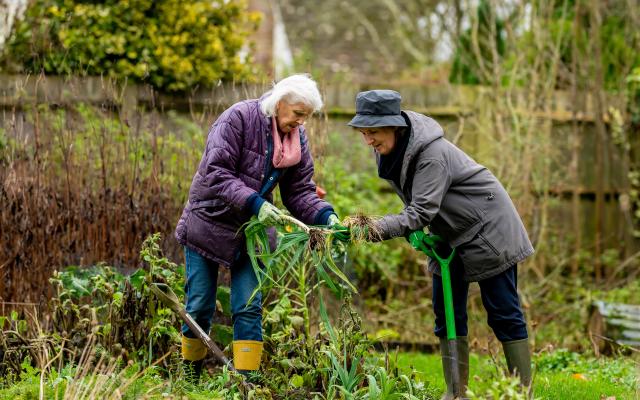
{"x": 290, "y": 116}
{"x": 382, "y": 139}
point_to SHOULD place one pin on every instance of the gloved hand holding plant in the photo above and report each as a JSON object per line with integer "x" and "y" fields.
{"x": 424, "y": 242}
{"x": 270, "y": 215}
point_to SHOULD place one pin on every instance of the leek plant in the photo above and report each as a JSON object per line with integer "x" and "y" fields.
{"x": 302, "y": 262}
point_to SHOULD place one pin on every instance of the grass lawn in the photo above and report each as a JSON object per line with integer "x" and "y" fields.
{"x": 585, "y": 379}
{"x": 561, "y": 375}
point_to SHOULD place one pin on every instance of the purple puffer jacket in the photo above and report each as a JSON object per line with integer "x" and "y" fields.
{"x": 232, "y": 169}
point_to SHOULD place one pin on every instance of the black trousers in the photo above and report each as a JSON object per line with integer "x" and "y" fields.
{"x": 499, "y": 297}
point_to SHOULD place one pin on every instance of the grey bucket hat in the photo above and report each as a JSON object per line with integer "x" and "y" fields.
{"x": 378, "y": 108}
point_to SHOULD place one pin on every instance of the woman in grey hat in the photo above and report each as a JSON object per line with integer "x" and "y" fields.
{"x": 461, "y": 201}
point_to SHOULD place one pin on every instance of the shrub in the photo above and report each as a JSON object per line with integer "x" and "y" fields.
{"x": 173, "y": 45}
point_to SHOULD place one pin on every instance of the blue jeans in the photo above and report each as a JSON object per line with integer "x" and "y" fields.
{"x": 200, "y": 289}
{"x": 499, "y": 297}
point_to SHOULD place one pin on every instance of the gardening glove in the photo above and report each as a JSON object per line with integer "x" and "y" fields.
{"x": 424, "y": 242}
{"x": 341, "y": 233}
{"x": 270, "y": 215}
{"x": 333, "y": 220}
{"x": 432, "y": 241}
{"x": 416, "y": 239}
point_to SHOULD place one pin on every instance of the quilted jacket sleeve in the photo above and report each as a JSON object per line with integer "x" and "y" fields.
{"x": 430, "y": 184}
{"x": 219, "y": 166}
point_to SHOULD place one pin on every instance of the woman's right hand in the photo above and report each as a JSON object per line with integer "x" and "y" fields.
{"x": 270, "y": 215}
{"x": 416, "y": 239}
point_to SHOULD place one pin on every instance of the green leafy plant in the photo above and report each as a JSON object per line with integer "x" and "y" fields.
{"x": 119, "y": 309}
{"x": 382, "y": 386}
{"x": 170, "y": 44}
{"x": 302, "y": 262}
{"x": 343, "y": 376}
{"x": 503, "y": 387}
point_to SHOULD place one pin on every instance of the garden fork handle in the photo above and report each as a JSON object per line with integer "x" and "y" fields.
{"x": 169, "y": 299}
{"x": 449, "y": 313}
{"x": 450, "y": 323}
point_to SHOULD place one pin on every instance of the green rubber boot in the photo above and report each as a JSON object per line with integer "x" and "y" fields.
{"x": 518, "y": 359}
{"x": 463, "y": 365}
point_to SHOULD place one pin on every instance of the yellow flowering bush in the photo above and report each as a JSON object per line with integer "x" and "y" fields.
{"x": 173, "y": 45}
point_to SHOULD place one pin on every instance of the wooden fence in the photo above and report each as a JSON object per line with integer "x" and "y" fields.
{"x": 450, "y": 104}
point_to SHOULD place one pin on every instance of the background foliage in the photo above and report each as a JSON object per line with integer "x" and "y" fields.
{"x": 170, "y": 44}
{"x": 84, "y": 183}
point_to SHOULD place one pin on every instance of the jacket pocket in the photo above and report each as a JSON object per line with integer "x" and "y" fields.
{"x": 467, "y": 235}
{"x": 489, "y": 244}
{"x": 210, "y": 209}
{"x": 482, "y": 252}
{"x": 459, "y": 218}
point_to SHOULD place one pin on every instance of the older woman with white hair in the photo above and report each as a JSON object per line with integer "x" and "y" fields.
{"x": 252, "y": 147}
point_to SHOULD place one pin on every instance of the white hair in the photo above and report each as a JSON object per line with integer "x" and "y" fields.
{"x": 299, "y": 88}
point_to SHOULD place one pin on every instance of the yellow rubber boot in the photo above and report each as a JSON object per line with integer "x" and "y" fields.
{"x": 193, "y": 349}
{"x": 247, "y": 354}
{"x": 193, "y": 352}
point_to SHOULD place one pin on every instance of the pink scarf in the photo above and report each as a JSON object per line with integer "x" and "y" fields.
{"x": 286, "y": 151}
